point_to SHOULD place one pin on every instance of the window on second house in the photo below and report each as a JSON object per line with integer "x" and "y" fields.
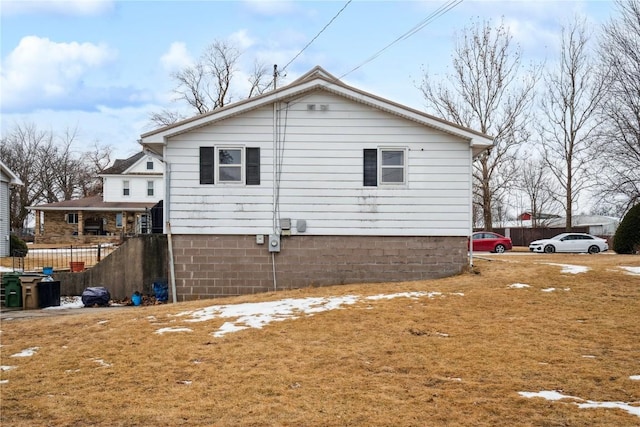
{"x": 384, "y": 166}
{"x": 239, "y": 165}
{"x": 72, "y": 218}
{"x": 125, "y": 188}
{"x": 149, "y": 188}
{"x": 149, "y": 165}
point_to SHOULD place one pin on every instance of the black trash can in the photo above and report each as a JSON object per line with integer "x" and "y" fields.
{"x": 49, "y": 294}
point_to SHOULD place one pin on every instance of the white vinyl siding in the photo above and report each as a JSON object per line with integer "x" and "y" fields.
{"x": 321, "y": 176}
{"x": 5, "y": 225}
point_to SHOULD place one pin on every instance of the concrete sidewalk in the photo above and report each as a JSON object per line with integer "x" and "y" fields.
{"x": 7, "y": 314}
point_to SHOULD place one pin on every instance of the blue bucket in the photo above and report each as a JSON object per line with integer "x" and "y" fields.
{"x": 47, "y": 270}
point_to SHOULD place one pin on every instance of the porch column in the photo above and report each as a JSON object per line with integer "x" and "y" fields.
{"x": 38, "y": 230}
{"x": 80, "y": 223}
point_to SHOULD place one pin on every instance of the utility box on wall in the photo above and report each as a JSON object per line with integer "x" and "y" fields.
{"x": 274, "y": 243}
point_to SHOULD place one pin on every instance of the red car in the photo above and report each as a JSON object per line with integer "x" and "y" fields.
{"x": 490, "y": 241}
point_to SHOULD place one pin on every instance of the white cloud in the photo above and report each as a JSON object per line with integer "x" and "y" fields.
{"x": 40, "y": 69}
{"x": 242, "y": 39}
{"x": 58, "y": 7}
{"x": 177, "y": 57}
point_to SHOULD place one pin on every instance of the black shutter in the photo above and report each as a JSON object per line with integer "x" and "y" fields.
{"x": 370, "y": 167}
{"x": 253, "y": 166}
{"x": 207, "y": 165}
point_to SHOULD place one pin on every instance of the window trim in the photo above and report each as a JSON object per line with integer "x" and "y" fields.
{"x": 241, "y": 166}
{"x": 381, "y": 165}
{"x": 126, "y": 188}
{"x": 72, "y": 215}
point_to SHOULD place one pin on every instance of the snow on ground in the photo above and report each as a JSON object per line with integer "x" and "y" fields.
{"x": 519, "y": 286}
{"x": 258, "y": 315}
{"x": 582, "y": 403}
{"x": 571, "y": 269}
{"x": 28, "y": 352}
{"x": 634, "y": 271}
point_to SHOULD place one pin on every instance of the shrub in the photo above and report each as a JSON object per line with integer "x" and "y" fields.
{"x": 17, "y": 247}
{"x": 627, "y": 237}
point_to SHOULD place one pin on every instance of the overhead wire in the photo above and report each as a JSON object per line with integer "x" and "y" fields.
{"x": 317, "y": 35}
{"x": 426, "y": 21}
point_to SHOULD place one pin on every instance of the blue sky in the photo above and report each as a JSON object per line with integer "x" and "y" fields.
{"x": 102, "y": 66}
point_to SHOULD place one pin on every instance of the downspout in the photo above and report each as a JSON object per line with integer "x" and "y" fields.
{"x": 167, "y": 225}
{"x": 471, "y": 205}
{"x": 274, "y": 184}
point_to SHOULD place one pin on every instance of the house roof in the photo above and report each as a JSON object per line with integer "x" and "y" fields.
{"x": 316, "y": 79}
{"x": 121, "y": 165}
{"x": 94, "y": 203}
{"x": 13, "y": 178}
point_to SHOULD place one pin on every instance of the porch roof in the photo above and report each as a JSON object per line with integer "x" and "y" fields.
{"x": 94, "y": 203}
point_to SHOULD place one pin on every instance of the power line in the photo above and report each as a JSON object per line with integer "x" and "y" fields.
{"x": 426, "y": 21}
{"x": 317, "y": 35}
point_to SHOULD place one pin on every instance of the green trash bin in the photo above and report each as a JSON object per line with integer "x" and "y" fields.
{"x": 12, "y": 289}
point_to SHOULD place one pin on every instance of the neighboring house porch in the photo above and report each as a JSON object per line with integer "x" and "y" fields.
{"x": 91, "y": 220}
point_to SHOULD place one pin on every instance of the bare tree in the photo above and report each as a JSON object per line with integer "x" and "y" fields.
{"x": 535, "y": 183}
{"x": 620, "y": 53}
{"x": 20, "y": 150}
{"x": 49, "y": 169}
{"x": 569, "y": 124}
{"x": 487, "y": 91}
{"x": 206, "y": 85}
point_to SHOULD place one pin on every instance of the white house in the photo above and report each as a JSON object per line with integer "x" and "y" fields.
{"x": 7, "y": 180}
{"x": 131, "y": 187}
{"x": 315, "y": 183}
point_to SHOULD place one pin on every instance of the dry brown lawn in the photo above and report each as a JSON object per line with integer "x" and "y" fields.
{"x": 458, "y": 359}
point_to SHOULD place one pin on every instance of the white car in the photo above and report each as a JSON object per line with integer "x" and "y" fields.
{"x": 570, "y": 242}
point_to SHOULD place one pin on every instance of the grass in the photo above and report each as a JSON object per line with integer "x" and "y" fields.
{"x": 457, "y": 360}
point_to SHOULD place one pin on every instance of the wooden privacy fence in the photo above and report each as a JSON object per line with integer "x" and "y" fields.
{"x": 522, "y": 236}
{"x": 67, "y": 258}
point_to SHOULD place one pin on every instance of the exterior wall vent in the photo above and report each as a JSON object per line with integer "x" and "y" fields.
{"x": 324, "y": 107}
{"x": 311, "y": 107}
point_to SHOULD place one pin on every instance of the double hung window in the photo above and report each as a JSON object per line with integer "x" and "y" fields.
{"x": 230, "y": 165}
{"x": 384, "y": 166}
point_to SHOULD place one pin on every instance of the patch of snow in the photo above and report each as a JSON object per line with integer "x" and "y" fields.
{"x": 4, "y": 381}
{"x": 6, "y": 368}
{"x": 27, "y": 352}
{"x": 548, "y": 289}
{"x": 588, "y": 356}
{"x": 68, "y": 302}
{"x": 404, "y": 295}
{"x": 633, "y": 410}
{"x": 5, "y": 269}
{"x": 102, "y": 322}
{"x": 571, "y": 269}
{"x": 635, "y": 377}
{"x": 634, "y": 271}
{"x": 554, "y": 395}
{"x": 518, "y": 286}
{"x": 549, "y": 395}
{"x": 257, "y": 315}
{"x": 163, "y": 330}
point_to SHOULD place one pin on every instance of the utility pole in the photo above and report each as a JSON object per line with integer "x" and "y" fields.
{"x": 275, "y": 76}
